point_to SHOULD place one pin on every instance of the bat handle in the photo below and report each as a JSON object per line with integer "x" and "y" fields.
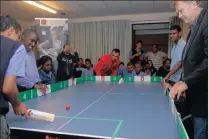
{"x": 27, "y": 113}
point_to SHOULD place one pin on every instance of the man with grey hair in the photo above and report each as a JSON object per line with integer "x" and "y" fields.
{"x": 12, "y": 61}
{"x": 194, "y": 81}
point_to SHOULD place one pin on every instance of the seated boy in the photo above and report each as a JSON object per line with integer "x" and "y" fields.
{"x": 129, "y": 71}
{"x": 121, "y": 67}
{"x": 88, "y": 71}
{"x": 78, "y": 73}
{"x": 138, "y": 69}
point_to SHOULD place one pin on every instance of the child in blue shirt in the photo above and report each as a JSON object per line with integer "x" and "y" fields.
{"x": 138, "y": 69}
{"x": 129, "y": 71}
{"x": 88, "y": 71}
{"x": 121, "y": 67}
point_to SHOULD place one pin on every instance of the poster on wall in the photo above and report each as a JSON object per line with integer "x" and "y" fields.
{"x": 53, "y": 34}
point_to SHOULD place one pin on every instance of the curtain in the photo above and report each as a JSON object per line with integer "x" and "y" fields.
{"x": 95, "y": 39}
{"x": 173, "y": 21}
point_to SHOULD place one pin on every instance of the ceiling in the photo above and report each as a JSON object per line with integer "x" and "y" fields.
{"x": 83, "y": 9}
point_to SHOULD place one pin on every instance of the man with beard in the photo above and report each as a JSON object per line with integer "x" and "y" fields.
{"x": 176, "y": 55}
{"x": 108, "y": 64}
{"x": 165, "y": 69}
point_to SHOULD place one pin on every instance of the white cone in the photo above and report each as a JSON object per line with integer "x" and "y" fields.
{"x": 120, "y": 81}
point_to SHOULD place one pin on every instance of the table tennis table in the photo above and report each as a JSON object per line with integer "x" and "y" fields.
{"x": 101, "y": 109}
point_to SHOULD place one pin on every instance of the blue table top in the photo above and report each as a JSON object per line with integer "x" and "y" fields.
{"x": 104, "y": 109}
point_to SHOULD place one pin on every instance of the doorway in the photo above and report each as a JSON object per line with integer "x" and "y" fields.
{"x": 151, "y": 33}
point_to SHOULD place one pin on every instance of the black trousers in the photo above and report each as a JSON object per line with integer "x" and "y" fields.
{"x": 184, "y": 110}
{"x": 180, "y": 104}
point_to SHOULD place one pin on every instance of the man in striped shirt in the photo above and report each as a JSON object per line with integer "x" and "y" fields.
{"x": 157, "y": 57}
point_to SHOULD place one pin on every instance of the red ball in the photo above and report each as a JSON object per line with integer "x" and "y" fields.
{"x": 67, "y": 107}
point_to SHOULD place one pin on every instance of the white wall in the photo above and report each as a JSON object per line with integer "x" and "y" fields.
{"x": 152, "y": 17}
{"x": 25, "y": 24}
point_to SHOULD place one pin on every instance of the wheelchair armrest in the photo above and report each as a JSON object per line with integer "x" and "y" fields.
{"x": 186, "y": 117}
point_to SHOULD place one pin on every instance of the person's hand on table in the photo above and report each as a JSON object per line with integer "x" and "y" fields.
{"x": 164, "y": 80}
{"x": 21, "y": 109}
{"x": 178, "y": 89}
{"x": 42, "y": 87}
{"x": 167, "y": 85}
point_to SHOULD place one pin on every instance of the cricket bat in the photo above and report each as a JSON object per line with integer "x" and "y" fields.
{"x": 39, "y": 115}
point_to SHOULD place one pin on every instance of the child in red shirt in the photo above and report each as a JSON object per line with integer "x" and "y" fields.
{"x": 108, "y": 64}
